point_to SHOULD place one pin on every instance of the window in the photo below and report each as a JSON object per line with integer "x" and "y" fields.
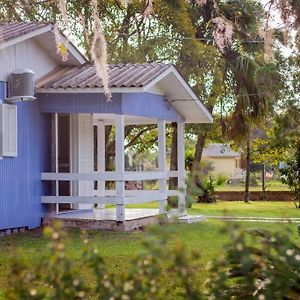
{"x": 237, "y": 163}
{"x": 8, "y": 130}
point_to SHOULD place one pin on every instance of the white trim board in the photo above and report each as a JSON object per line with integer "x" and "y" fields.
{"x": 25, "y": 37}
{"x": 47, "y": 29}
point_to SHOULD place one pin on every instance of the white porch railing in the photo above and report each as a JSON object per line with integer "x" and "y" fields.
{"x": 110, "y": 196}
{"x": 108, "y": 176}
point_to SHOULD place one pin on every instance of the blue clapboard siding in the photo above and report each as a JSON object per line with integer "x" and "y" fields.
{"x": 79, "y": 103}
{"x": 149, "y": 105}
{"x": 2, "y": 90}
{"x": 21, "y": 187}
{"x": 137, "y": 104}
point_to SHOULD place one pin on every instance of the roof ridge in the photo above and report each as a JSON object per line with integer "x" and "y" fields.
{"x": 140, "y": 64}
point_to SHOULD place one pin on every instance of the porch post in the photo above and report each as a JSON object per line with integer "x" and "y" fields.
{"x": 101, "y": 158}
{"x": 181, "y": 168}
{"x": 162, "y": 163}
{"x": 120, "y": 166}
{"x": 56, "y": 159}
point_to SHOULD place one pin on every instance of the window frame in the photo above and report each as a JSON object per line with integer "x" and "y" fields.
{"x": 8, "y": 148}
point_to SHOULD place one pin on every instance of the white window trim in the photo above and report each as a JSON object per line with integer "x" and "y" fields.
{"x": 9, "y": 152}
{"x": 1, "y": 157}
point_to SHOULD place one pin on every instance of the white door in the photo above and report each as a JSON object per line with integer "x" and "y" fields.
{"x": 82, "y": 153}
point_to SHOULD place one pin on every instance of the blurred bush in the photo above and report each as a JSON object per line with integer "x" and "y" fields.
{"x": 256, "y": 264}
{"x": 206, "y": 188}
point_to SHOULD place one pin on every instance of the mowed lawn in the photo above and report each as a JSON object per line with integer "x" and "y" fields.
{"x": 119, "y": 248}
{"x": 284, "y": 209}
{"x": 252, "y": 209}
{"x": 271, "y": 185}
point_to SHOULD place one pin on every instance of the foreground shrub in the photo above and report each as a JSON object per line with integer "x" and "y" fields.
{"x": 290, "y": 175}
{"x": 207, "y": 188}
{"x": 266, "y": 266}
{"x": 255, "y": 265}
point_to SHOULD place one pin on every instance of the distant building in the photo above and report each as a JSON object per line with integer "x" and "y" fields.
{"x": 223, "y": 160}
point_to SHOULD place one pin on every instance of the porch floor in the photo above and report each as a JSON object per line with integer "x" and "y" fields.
{"x": 135, "y": 218}
{"x": 106, "y": 219}
{"x": 108, "y": 214}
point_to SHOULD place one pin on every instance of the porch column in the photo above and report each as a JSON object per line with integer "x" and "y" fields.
{"x": 120, "y": 166}
{"x": 181, "y": 169}
{"x": 101, "y": 158}
{"x": 56, "y": 159}
{"x": 162, "y": 163}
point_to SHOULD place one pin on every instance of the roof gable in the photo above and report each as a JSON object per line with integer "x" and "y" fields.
{"x": 11, "y": 31}
{"x": 219, "y": 150}
{"x": 42, "y": 32}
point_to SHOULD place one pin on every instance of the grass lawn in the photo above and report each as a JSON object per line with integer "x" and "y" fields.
{"x": 252, "y": 209}
{"x": 118, "y": 248}
{"x": 239, "y": 208}
{"x": 270, "y": 186}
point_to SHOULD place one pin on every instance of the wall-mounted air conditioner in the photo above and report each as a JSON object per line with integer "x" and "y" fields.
{"x": 20, "y": 86}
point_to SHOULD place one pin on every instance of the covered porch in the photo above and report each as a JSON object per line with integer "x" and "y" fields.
{"x": 87, "y": 187}
{"x": 80, "y": 115}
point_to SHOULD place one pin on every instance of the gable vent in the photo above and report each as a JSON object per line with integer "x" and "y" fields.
{"x": 21, "y": 86}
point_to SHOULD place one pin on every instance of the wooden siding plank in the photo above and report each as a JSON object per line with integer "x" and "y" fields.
{"x": 79, "y": 103}
{"x": 149, "y": 105}
{"x": 136, "y": 104}
{"x": 20, "y": 177}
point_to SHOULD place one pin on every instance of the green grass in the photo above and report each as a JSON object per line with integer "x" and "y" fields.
{"x": 252, "y": 209}
{"x": 237, "y": 187}
{"x": 118, "y": 248}
{"x": 285, "y": 209}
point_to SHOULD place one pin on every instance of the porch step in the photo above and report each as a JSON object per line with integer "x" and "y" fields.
{"x": 192, "y": 219}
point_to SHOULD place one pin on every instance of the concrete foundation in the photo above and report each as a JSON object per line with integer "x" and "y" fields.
{"x": 106, "y": 220}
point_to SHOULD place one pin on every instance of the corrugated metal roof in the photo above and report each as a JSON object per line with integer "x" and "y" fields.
{"x": 9, "y": 31}
{"x": 121, "y": 75}
{"x": 219, "y": 150}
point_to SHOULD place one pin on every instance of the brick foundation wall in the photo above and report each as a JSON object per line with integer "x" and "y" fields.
{"x": 6, "y": 232}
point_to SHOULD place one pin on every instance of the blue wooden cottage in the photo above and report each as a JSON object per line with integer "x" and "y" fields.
{"x": 47, "y": 144}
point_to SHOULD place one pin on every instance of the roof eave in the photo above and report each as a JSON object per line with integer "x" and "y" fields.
{"x": 189, "y": 90}
{"x": 48, "y": 28}
{"x": 73, "y": 49}
{"x": 25, "y": 37}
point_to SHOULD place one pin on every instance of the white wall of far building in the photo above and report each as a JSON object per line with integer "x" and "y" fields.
{"x": 229, "y": 166}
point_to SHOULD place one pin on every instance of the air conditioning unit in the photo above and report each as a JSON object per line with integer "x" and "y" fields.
{"x": 21, "y": 86}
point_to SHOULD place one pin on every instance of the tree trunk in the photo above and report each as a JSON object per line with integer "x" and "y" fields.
{"x": 195, "y": 176}
{"x": 198, "y": 156}
{"x": 173, "y": 182}
{"x": 247, "y": 181}
{"x": 109, "y": 149}
{"x": 263, "y": 180}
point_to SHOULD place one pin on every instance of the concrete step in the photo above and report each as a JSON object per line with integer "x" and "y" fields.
{"x": 192, "y": 219}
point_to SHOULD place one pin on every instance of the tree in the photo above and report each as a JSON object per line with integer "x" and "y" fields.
{"x": 213, "y": 43}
